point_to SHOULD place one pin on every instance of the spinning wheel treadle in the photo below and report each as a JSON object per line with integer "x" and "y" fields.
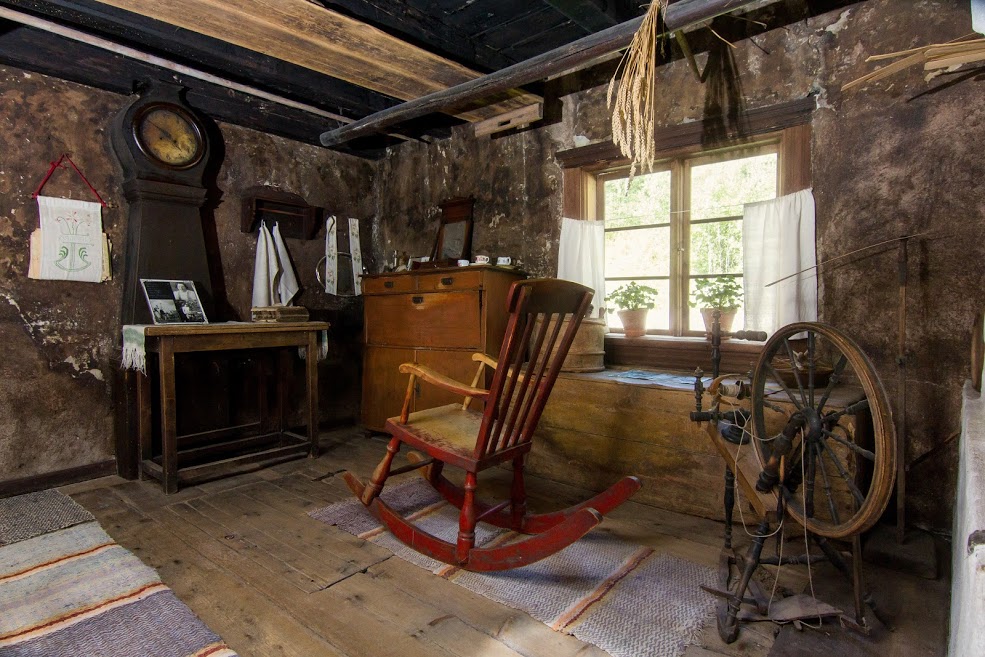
{"x": 835, "y": 476}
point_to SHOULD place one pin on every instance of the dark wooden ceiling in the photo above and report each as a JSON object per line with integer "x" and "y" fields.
{"x": 303, "y": 68}
{"x": 349, "y": 58}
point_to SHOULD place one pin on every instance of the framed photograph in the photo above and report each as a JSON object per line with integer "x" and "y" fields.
{"x": 173, "y": 302}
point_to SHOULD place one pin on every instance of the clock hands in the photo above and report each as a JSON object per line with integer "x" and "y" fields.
{"x": 165, "y": 133}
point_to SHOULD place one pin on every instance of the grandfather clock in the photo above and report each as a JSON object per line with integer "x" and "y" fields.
{"x": 164, "y": 148}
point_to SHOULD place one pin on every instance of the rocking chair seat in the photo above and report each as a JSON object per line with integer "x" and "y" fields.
{"x": 446, "y": 433}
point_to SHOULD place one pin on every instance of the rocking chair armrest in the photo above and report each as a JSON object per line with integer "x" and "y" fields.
{"x": 485, "y": 360}
{"x": 442, "y": 381}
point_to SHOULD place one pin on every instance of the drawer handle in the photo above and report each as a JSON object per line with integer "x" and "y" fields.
{"x": 388, "y": 284}
{"x": 447, "y": 280}
{"x": 418, "y": 300}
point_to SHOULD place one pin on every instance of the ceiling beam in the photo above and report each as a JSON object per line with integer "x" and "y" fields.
{"x": 132, "y": 53}
{"x": 566, "y": 58}
{"x": 208, "y": 54}
{"x": 316, "y": 38}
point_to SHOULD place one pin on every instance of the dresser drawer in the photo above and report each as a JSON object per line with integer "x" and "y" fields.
{"x": 449, "y": 320}
{"x": 388, "y": 285}
{"x": 462, "y": 279}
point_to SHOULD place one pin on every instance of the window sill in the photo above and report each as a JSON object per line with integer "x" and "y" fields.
{"x": 665, "y": 352}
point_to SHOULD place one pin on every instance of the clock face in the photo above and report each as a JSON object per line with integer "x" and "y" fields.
{"x": 169, "y": 136}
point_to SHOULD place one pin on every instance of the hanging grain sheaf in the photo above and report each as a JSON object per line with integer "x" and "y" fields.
{"x": 632, "y": 104}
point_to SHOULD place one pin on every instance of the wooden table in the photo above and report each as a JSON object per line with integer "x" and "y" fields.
{"x": 176, "y": 451}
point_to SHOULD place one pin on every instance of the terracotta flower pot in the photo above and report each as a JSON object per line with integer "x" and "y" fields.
{"x": 633, "y": 322}
{"x": 726, "y": 319}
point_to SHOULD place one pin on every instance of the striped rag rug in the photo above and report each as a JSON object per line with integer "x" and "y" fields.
{"x": 626, "y": 599}
{"x": 68, "y": 590}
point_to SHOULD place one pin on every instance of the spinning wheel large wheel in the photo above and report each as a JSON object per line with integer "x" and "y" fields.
{"x": 836, "y": 475}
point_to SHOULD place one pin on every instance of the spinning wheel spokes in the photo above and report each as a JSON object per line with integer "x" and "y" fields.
{"x": 837, "y": 476}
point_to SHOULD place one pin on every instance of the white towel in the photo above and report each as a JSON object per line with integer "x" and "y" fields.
{"x": 264, "y": 269}
{"x": 287, "y": 282}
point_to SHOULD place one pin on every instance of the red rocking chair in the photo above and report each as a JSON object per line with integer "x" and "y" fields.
{"x": 531, "y": 357}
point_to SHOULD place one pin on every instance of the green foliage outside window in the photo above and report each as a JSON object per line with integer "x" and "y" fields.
{"x": 633, "y": 297}
{"x": 723, "y": 293}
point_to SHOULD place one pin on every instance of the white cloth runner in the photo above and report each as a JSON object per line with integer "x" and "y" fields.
{"x": 135, "y": 354}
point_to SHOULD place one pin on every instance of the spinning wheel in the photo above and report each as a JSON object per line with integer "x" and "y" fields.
{"x": 845, "y": 471}
{"x": 822, "y": 450}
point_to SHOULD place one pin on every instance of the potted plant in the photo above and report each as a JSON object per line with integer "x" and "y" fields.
{"x": 723, "y": 294}
{"x": 633, "y": 300}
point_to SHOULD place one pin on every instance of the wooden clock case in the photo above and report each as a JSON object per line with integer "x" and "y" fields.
{"x": 165, "y": 236}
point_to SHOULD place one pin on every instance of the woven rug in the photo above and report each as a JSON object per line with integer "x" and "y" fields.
{"x": 626, "y": 599}
{"x": 68, "y": 590}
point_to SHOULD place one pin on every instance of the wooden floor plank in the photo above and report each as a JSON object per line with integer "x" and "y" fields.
{"x": 438, "y": 627}
{"x": 319, "y": 493}
{"x": 248, "y": 621}
{"x": 513, "y": 628}
{"x": 300, "y": 542}
{"x": 243, "y": 545}
{"x": 288, "y": 515}
{"x": 334, "y": 619}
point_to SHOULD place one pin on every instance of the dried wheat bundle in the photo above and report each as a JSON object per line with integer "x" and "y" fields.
{"x": 632, "y": 104}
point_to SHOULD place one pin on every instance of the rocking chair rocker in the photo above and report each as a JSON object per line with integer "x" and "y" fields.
{"x": 528, "y": 365}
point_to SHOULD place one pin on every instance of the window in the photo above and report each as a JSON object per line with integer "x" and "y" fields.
{"x": 680, "y": 223}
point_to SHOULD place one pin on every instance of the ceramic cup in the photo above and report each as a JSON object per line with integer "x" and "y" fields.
{"x": 463, "y": 263}
{"x": 504, "y": 261}
{"x": 482, "y": 260}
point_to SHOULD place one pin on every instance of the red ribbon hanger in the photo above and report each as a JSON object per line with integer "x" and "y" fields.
{"x": 58, "y": 164}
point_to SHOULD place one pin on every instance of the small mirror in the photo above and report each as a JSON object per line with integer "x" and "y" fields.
{"x": 454, "y": 241}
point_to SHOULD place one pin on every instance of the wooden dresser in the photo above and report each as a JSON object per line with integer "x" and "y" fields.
{"x": 435, "y": 317}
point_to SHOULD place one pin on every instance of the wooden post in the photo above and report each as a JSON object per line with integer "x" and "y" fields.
{"x": 901, "y": 408}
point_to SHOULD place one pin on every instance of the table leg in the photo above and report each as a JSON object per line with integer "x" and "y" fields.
{"x": 169, "y": 428}
{"x": 311, "y": 369}
{"x": 145, "y": 434}
{"x": 285, "y": 365}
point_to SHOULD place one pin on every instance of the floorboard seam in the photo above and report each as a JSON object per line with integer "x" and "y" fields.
{"x": 363, "y": 571}
{"x": 328, "y": 475}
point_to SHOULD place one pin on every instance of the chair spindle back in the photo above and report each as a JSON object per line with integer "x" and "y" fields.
{"x": 536, "y": 344}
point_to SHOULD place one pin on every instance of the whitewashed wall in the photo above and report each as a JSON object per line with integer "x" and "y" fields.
{"x": 968, "y": 584}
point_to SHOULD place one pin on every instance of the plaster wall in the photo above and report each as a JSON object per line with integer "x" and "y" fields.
{"x": 59, "y": 341}
{"x": 899, "y": 157}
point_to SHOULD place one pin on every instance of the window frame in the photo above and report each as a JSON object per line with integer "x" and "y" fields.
{"x": 680, "y": 164}
{"x": 580, "y": 166}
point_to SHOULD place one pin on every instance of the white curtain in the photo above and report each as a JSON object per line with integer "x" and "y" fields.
{"x": 777, "y": 242}
{"x": 581, "y": 256}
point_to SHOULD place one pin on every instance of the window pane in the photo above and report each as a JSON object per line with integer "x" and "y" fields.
{"x": 644, "y": 201}
{"x": 696, "y": 323}
{"x": 638, "y": 252}
{"x": 719, "y": 189}
{"x": 659, "y": 316}
{"x": 716, "y": 248}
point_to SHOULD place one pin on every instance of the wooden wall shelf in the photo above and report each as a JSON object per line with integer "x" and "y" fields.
{"x": 297, "y": 219}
